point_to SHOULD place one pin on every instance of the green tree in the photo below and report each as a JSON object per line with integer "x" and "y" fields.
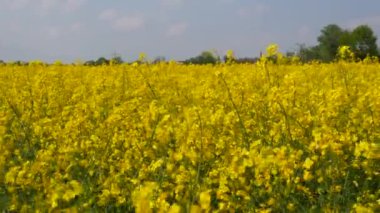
{"x": 364, "y": 42}
{"x": 361, "y": 40}
{"x": 346, "y": 38}
{"x": 102, "y": 61}
{"x": 308, "y": 53}
{"x": 329, "y": 41}
{"x": 159, "y": 59}
{"x": 206, "y": 57}
{"x": 116, "y": 60}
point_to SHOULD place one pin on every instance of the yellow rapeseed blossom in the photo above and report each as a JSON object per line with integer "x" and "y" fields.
{"x": 308, "y": 163}
{"x": 204, "y": 200}
{"x": 272, "y": 49}
{"x": 167, "y": 137}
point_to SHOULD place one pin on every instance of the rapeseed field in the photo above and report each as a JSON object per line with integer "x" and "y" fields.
{"x": 168, "y": 137}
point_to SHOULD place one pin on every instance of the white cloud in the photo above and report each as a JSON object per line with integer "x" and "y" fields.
{"x": 128, "y": 23}
{"x": 176, "y": 29}
{"x": 108, "y": 14}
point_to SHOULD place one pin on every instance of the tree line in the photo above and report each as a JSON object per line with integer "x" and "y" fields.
{"x": 361, "y": 41}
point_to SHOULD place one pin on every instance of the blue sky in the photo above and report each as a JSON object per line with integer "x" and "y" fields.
{"x": 177, "y": 29}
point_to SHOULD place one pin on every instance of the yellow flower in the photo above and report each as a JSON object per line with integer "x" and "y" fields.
{"x": 76, "y": 187}
{"x": 174, "y": 209}
{"x": 290, "y": 207}
{"x": 68, "y": 195}
{"x": 362, "y": 209}
{"x": 307, "y": 175}
{"x": 165, "y": 137}
{"x": 204, "y": 200}
{"x": 11, "y": 175}
{"x": 230, "y": 56}
{"x": 308, "y": 163}
{"x": 195, "y": 209}
{"x": 54, "y": 200}
{"x": 345, "y": 53}
{"x": 272, "y": 49}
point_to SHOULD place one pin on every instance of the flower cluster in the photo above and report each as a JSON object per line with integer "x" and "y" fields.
{"x": 178, "y": 138}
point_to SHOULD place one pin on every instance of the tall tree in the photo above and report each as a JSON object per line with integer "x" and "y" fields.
{"x": 346, "y": 39}
{"x": 364, "y": 42}
{"x": 308, "y": 53}
{"x": 206, "y": 57}
{"x": 329, "y": 41}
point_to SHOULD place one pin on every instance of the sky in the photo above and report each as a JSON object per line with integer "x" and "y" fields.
{"x": 70, "y": 30}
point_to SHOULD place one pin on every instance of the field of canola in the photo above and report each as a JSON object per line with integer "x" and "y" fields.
{"x": 188, "y": 138}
